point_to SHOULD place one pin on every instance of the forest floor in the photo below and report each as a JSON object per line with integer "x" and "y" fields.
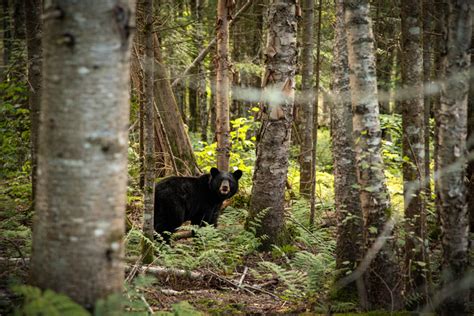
{"x": 216, "y": 292}
{"x": 242, "y": 290}
{"x": 211, "y": 292}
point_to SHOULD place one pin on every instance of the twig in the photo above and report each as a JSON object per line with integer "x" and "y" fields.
{"x": 228, "y": 281}
{"x": 244, "y": 287}
{"x": 17, "y": 248}
{"x": 150, "y": 310}
{"x": 162, "y": 271}
{"x": 243, "y": 276}
{"x": 259, "y": 289}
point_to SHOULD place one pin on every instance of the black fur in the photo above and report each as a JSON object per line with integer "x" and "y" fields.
{"x": 198, "y": 199}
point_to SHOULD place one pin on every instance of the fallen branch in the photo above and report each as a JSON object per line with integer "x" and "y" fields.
{"x": 162, "y": 271}
{"x": 243, "y": 276}
{"x": 24, "y": 261}
{"x": 172, "y": 292}
{"x": 229, "y": 282}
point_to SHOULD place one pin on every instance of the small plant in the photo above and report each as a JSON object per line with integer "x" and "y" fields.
{"x": 37, "y": 302}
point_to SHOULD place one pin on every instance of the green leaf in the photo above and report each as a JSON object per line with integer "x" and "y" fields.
{"x": 373, "y": 230}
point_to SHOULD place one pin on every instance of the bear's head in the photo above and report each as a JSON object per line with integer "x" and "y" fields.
{"x": 224, "y": 184}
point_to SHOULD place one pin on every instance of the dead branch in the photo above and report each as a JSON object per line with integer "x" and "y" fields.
{"x": 162, "y": 271}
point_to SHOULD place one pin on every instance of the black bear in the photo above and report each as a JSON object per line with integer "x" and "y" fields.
{"x": 198, "y": 199}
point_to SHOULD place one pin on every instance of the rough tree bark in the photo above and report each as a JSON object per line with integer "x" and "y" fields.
{"x": 427, "y": 66}
{"x": 452, "y": 117}
{"x": 224, "y": 9}
{"x": 172, "y": 121}
{"x": 382, "y": 275}
{"x": 145, "y": 28}
{"x": 201, "y": 73}
{"x": 386, "y": 40}
{"x": 33, "y": 43}
{"x": 317, "y": 70}
{"x": 349, "y": 244}
{"x": 271, "y": 167}
{"x": 470, "y": 148}
{"x": 18, "y": 68}
{"x": 82, "y": 158}
{"x": 307, "y": 104}
{"x": 413, "y": 151}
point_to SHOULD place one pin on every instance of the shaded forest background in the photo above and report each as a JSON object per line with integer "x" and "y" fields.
{"x": 368, "y": 204}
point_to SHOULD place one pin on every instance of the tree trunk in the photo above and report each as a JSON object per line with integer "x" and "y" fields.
{"x": 82, "y": 159}
{"x": 172, "y": 121}
{"x": 382, "y": 274}
{"x": 269, "y": 179}
{"x": 440, "y": 16}
{"x": 6, "y": 29}
{"x": 427, "y": 48}
{"x": 470, "y": 148}
{"x": 349, "y": 244}
{"x": 19, "y": 35}
{"x": 452, "y": 118}
{"x": 33, "y": 43}
{"x": 136, "y": 75}
{"x": 307, "y": 104}
{"x": 224, "y": 9}
{"x": 201, "y": 91}
{"x": 193, "y": 105}
{"x": 413, "y": 152}
{"x": 145, "y": 28}
{"x": 315, "y": 116}
{"x": 386, "y": 33}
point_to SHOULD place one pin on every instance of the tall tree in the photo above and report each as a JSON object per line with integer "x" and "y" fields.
{"x": 307, "y": 104}
{"x": 349, "y": 244}
{"x": 182, "y": 151}
{"x": 7, "y": 34}
{"x": 382, "y": 274}
{"x": 201, "y": 91}
{"x": 19, "y": 35}
{"x": 271, "y": 167}
{"x": 385, "y": 33}
{"x": 452, "y": 117}
{"x": 427, "y": 70}
{"x": 224, "y": 9}
{"x": 145, "y": 28}
{"x": 82, "y": 160}
{"x": 33, "y": 43}
{"x": 413, "y": 150}
{"x": 470, "y": 148}
{"x": 315, "y": 114}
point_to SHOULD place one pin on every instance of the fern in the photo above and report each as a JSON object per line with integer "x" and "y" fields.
{"x": 37, "y": 302}
{"x": 181, "y": 309}
{"x": 294, "y": 280}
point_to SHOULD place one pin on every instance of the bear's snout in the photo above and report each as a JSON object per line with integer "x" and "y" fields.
{"x": 225, "y": 187}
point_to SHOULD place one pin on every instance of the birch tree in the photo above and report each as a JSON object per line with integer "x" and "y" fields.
{"x": 349, "y": 244}
{"x": 82, "y": 158}
{"x": 452, "y": 122}
{"x": 382, "y": 274}
{"x": 413, "y": 150}
{"x": 271, "y": 167}
{"x": 224, "y": 9}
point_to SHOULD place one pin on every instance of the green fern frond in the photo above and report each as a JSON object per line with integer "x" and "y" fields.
{"x": 38, "y": 303}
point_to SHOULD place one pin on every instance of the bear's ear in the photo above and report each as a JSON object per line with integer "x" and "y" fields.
{"x": 237, "y": 174}
{"x": 214, "y": 172}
